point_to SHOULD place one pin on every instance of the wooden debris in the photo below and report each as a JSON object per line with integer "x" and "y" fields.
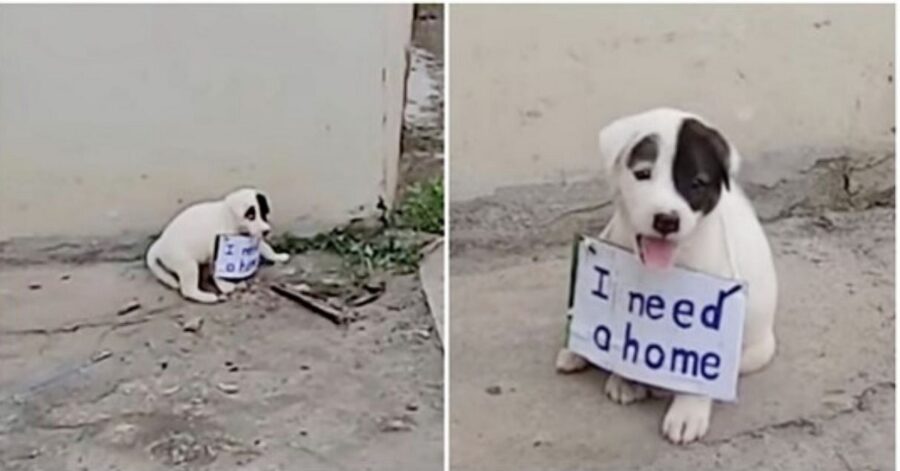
{"x": 309, "y": 300}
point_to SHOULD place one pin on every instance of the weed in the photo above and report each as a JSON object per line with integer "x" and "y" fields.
{"x": 395, "y": 245}
{"x": 422, "y": 208}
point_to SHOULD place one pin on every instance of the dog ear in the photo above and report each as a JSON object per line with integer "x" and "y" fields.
{"x": 263, "y": 203}
{"x": 720, "y": 148}
{"x": 616, "y": 140}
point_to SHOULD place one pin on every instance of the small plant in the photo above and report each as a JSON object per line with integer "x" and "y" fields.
{"x": 422, "y": 209}
{"x": 396, "y": 245}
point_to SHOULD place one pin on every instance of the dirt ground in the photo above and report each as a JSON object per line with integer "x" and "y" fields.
{"x": 826, "y": 403}
{"x": 263, "y": 384}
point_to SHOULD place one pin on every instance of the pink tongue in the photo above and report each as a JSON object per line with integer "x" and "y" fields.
{"x": 657, "y": 253}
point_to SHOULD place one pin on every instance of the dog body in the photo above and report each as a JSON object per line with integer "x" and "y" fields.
{"x": 676, "y": 203}
{"x": 189, "y": 241}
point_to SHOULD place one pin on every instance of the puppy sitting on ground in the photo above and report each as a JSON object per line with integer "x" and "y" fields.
{"x": 676, "y": 203}
{"x": 190, "y": 240}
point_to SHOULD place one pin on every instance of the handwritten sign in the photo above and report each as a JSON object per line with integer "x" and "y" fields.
{"x": 237, "y": 257}
{"x": 676, "y": 329}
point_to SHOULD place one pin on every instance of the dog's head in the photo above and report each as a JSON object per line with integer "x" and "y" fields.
{"x": 668, "y": 169}
{"x": 250, "y": 209}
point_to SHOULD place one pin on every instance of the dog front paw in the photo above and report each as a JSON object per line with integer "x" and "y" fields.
{"x": 623, "y": 391}
{"x": 281, "y": 257}
{"x": 568, "y": 361}
{"x": 687, "y": 419}
{"x": 204, "y": 297}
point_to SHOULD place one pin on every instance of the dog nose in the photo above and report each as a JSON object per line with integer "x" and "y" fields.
{"x": 665, "y": 224}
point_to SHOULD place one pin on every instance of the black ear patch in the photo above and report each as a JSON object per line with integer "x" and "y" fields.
{"x": 263, "y": 206}
{"x": 644, "y": 151}
{"x": 700, "y": 169}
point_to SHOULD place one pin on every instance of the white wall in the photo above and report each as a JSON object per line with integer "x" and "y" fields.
{"x": 112, "y": 117}
{"x": 530, "y": 86}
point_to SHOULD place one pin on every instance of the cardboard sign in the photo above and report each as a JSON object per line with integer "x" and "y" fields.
{"x": 237, "y": 257}
{"x": 676, "y": 329}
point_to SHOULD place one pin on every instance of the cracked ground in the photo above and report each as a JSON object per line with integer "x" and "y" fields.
{"x": 825, "y": 403}
{"x": 261, "y": 384}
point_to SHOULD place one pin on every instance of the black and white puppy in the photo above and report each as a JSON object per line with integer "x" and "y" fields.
{"x": 189, "y": 241}
{"x": 677, "y": 203}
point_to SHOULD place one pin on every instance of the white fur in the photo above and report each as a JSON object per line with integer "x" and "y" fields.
{"x": 188, "y": 241}
{"x": 729, "y": 241}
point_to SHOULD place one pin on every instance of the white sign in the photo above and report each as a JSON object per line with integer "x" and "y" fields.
{"x": 237, "y": 256}
{"x": 675, "y": 329}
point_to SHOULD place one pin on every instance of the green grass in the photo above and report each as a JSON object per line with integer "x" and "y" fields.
{"x": 422, "y": 208}
{"x": 394, "y": 246}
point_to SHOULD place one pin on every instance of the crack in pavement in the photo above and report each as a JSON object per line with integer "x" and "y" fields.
{"x": 812, "y": 426}
{"x": 75, "y": 327}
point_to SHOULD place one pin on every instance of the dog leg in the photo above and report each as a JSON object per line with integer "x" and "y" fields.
{"x": 568, "y": 361}
{"x": 269, "y": 253}
{"x": 687, "y": 419}
{"x": 759, "y": 355}
{"x": 225, "y": 286}
{"x": 623, "y": 391}
{"x": 189, "y": 279}
{"x": 158, "y": 270}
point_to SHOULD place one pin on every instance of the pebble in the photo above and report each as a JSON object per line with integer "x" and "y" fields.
{"x": 228, "y": 388}
{"x": 494, "y": 390}
{"x": 34, "y": 286}
{"x": 193, "y": 325}
{"x": 130, "y": 306}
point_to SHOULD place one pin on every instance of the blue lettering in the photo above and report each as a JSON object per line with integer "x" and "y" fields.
{"x": 684, "y": 308}
{"x": 713, "y": 361}
{"x": 712, "y": 314}
{"x": 630, "y": 343}
{"x": 635, "y": 297}
{"x": 688, "y": 361}
{"x": 599, "y": 292}
{"x": 601, "y": 337}
{"x": 229, "y": 268}
{"x": 229, "y": 249}
{"x": 655, "y": 302}
{"x": 660, "y": 356}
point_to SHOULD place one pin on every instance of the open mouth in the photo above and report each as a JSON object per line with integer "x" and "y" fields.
{"x": 656, "y": 252}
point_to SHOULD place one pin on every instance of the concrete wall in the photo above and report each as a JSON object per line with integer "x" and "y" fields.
{"x": 113, "y": 117}
{"x": 532, "y": 85}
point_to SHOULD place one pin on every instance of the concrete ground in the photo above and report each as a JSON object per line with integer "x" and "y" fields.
{"x": 264, "y": 384}
{"x": 826, "y": 403}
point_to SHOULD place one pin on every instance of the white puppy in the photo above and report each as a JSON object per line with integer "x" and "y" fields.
{"x": 189, "y": 241}
{"x": 676, "y": 203}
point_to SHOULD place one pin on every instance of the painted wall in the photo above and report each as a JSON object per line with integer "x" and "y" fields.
{"x": 113, "y": 117}
{"x": 532, "y": 85}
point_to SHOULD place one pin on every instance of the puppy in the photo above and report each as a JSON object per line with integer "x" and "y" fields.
{"x": 676, "y": 203}
{"x": 189, "y": 240}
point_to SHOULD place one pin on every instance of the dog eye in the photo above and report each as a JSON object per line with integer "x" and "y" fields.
{"x": 700, "y": 182}
{"x": 250, "y": 214}
{"x": 642, "y": 174}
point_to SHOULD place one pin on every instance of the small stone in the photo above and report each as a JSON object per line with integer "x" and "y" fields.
{"x": 34, "y": 286}
{"x": 424, "y": 334}
{"x": 101, "y": 355}
{"x": 494, "y": 390}
{"x": 132, "y": 305}
{"x": 228, "y": 388}
{"x": 172, "y": 390}
{"x": 399, "y": 424}
{"x": 412, "y": 407}
{"x": 193, "y": 325}
{"x": 65, "y": 277}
